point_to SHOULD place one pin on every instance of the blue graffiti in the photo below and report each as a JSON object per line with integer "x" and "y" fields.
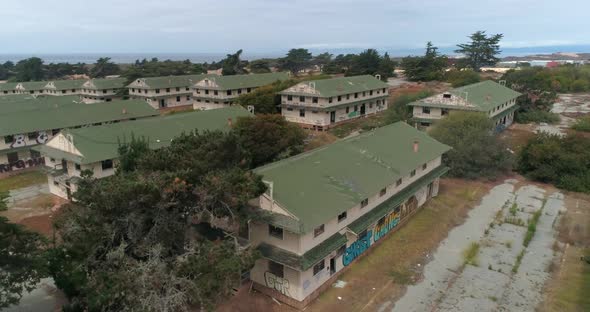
{"x": 357, "y": 248}
{"x": 389, "y": 223}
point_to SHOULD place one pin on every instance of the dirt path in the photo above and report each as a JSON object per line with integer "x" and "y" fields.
{"x": 504, "y": 274}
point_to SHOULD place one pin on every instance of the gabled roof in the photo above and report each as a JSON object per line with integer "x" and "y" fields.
{"x": 65, "y": 84}
{"x": 33, "y": 85}
{"x": 26, "y": 102}
{"x": 8, "y": 86}
{"x": 105, "y": 83}
{"x": 336, "y": 86}
{"x": 318, "y": 185}
{"x": 244, "y": 81}
{"x": 102, "y": 142}
{"x": 67, "y": 116}
{"x": 481, "y": 96}
{"x": 167, "y": 81}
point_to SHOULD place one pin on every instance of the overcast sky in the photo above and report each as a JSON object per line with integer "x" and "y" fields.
{"x": 259, "y": 26}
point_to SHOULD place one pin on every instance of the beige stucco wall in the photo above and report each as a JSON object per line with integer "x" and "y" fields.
{"x": 59, "y": 189}
{"x": 170, "y": 101}
{"x": 200, "y": 104}
{"x": 316, "y": 117}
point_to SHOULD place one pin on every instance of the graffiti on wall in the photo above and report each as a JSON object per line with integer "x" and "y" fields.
{"x": 388, "y": 223}
{"x": 19, "y": 140}
{"x": 357, "y": 248}
{"x": 22, "y": 164}
{"x": 279, "y": 284}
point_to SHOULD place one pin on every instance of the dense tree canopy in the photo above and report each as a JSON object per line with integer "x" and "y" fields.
{"x": 104, "y": 67}
{"x": 459, "y": 78}
{"x": 260, "y": 66}
{"x": 269, "y": 137}
{"x": 21, "y": 261}
{"x": 135, "y": 240}
{"x": 481, "y": 51}
{"x": 476, "y": 152}
{"x": 295, "y": 60}
{"x": 425, "y": 68}
{"x": 156, "y": 68}
{"x": 30, "y": 69}
{"x": 233, "y": 64}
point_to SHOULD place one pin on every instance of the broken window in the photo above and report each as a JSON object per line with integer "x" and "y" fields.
{"x": 342, "y": 216}
{"x": 275, "y": 231}
{"x": 319, "y": 267}
{"x": 318, "y": 230}
{"x": 383, "y": 191}
{"x": 446, "y": 95}
{"x": 276, "y": 268}
{"x": 426, "y": 110}
{"x": 365, "y": 202}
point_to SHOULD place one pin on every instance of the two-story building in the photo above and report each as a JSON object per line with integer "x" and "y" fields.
{"x": 166, "y": 91}
{"x": 96, "y": 148}
{"x": 321, "y": 104}
{"x": 31, "y": 87}
{"x": 222, "y": 91}
{"x": 329, "y": 206}
{"x": 494, "y": 99}
{"x": 64, "y": 87}
{"x": 102, "y": 90}
{"x": 8, "y": 88}
{"x": 33, "y": 123}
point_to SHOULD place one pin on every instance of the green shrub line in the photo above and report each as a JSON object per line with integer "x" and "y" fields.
{"x": 470, "y": 254}
{"x": 532, "y": 227}
{"x": 583, "y": 124}
{"x": 518, "y": 261}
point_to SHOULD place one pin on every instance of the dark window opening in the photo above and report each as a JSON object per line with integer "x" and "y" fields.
{"x": 107, "y": 164}
{"x": 318, "y": 230}
{"x": 276, "y": 268}
{"x": 342, "y": 216}
{"x": 275, "y": 231}
{"x": 319, "y": 267}
{"x": 365, "y": 202}
{"x": 382, "y": 192}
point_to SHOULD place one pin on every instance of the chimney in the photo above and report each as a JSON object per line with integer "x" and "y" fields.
{"x": 124, "y": 111}
{"x": 416, "y": 146}
{"x": 229, "y": 122}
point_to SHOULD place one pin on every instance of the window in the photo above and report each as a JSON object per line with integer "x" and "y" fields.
{"x": 348, "y": 96}
{"x": 413, "y": 173}
{"x": 198, "y": 91}
{"x": 275, "y": 231}
{"x": 339, "y": 98}
{"x": 302, "y": 99}
{"x": 32, "y": 135}
{"x": 398, "y": 182}
{"x": 319, "y": 267}
{"x": 206, "y": 91}
{"x": 384, "y": 90}
{"x": 239, "y": 91}
{"x": 248, "y": 90}
{"x": 330, "y": 100}
{"x": 104, "y": 91}
{"x": 157, "y": 90}
{"x": 356, "y": 108}
{"x": 446, "y": 96}
{"x": 365, "y": 202}
{"x": 276, "y": 268}
{"x": 356, "y": 95}
{"x": 314, "y": 100}
{"x": 78, "y": 167}
{"x": 364, "y": 93}
{"x": 215, "y": 92}
{"x": 167, "y": 90}
{"x": 371, "y": 105}
{"x": 424, "y": 166}
{"x": 187, "y": 89}
{"x": 188, "y": 97}
{"x": 8, "y": 139}
{"x": 347, "y": 109}
{"x": 55, "y": 183}
{"x": 228, "y": 92}
{"x": 12, "y": 157}
{"x": 318, "y": 231}
{"x": 426, "y": 110}
{"x": 73, "y": 90}
{"x": 289, "y": 109}
{"x": 289, "y": 98}
{"x": 145, "y": 91}
{"x": 444, "y": 112}
{"x": 35, "y": 154}
{"x": 371, "y": 92}
{"x": 63, "y": 91}
{"x": 342, "y": 216}
{"x": 301, "y": 113}
{"x": 107, "y": 164}
{"x": 383, "y": 191}
{"x": 178, "y": 99}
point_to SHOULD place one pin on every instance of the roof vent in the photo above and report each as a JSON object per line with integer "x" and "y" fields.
{"x": 416, "y": 146}
{"x": 378, "y": 76}
{"x": 124, "y": 111}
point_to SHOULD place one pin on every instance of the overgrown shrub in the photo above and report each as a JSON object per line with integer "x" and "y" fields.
{"x": 459, "y": 78}
{"x": 536, "y": 116}
{"x": 583, "y": 124}
{"x": 562, "y": 161}
{"x": 399, "y": 110}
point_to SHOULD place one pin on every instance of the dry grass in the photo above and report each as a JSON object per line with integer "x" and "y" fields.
{"x": 21, "y": 180}
{"x": 318, "y": 139}
{"x": 470, "y": 254}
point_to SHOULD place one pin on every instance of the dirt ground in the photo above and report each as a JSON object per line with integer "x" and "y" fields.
{"x": 385, "y": 272}
{"x": 569, "y": 287}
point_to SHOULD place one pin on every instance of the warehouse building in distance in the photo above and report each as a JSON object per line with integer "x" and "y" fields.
{"x": 329, "y": 206}
{"x": 31, "y": 122}
{"x": 96, "y": 148}
{"x": 166, "y": 91}
{"x": 222, "y": 91}
{"x": 494, "y": 99}
{"x": 321, "y": 104}
{"x": 102, "y": 90}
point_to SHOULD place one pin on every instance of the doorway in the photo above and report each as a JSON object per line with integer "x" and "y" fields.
{"x": 162, "y": 103}
{"x": 332, "y": 266}
{"x": 332, "y": 117}
{"x": 363, "y": 109}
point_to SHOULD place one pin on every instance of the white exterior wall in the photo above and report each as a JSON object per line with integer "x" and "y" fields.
{"x": 59, "y": 188}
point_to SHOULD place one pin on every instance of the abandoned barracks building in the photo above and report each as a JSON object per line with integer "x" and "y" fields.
{"x": 323, "y": 103}
{"x": 494, "y": 99}
{"x": 31, "y": 121}
{"x": 221, "y": 91}
{"x": 330, "y": 205}
{"x": 89, "y": 90}
{"x": 166, "y": 91}
{"x": 96, "y": 148}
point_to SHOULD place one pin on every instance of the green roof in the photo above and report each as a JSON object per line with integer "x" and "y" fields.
{"x": 67, "y": 116}
{"x": 339, "y": 86}
{"x": 67, "y": 84}
{"x": 33, "y": 85}
{"x": 318, "y": 185}
{"x": 8, "y": 86}
{"x": 247, "y": 81}
{"x": 484, "y": 96}
{"x": 308, "y": 259}
{"x": 107, "y": 83}
{"x": 168, "y": 81}
{"x": 24, "y": 102}
{"x": 102, "y": 142}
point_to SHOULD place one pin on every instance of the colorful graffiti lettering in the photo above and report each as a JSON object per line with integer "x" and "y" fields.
{"x": 391, "y": 221}
{"x": 22, "y": 164}
{"x": 278, "y": 283}
{"x": 357, "y": 248}
{"x": 18, "y": 141}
